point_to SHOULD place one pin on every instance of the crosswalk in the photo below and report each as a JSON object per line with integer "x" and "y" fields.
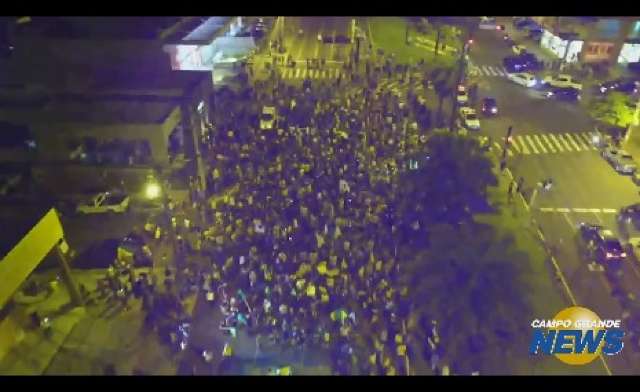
{"x": 305, "y": 73}
{"x": 550, "y": 143}
{"x": 487, "y": 70}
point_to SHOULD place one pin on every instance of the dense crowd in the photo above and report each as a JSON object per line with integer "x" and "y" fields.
{"x": 304, "y": 250}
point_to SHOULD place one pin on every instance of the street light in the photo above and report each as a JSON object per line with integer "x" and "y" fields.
{"x": 152, "y": 190}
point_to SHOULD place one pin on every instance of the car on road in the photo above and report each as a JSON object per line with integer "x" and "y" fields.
{"x": 489, "y": 106}
{"x": 487, "y": 23}
{"x": 518, "y": 49}
{"x": 523, "y": 78}
{"x": 601, "y": 244}
{"x": 627, "y": 86}
{"x": 104, "y": 202}
{"x": 526, "y": 62}
{"x": 327, "y": 39}
{"x": 524, "y": 23}
{"x": 620, "y": 160}
{"x": 268, "y": 118}
{"x": 630, "y": 214}
{"x": 562, "y": 80}
{"x": 564, "y": 94}
{"x": 462, "y": 97}
{"x": 342, "y": 39}
{"x": 470, "y": 119}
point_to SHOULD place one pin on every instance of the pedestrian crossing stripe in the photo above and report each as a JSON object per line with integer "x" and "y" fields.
{"x": 551, "y": 148}
{"x": 303, "y": 73}
{"x": 532, "y": 144}
{"x": 488, "y": 70}
{"x": 550, "y": 143}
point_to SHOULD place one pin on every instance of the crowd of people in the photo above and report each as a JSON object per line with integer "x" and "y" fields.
{"x": 304, "y": 250}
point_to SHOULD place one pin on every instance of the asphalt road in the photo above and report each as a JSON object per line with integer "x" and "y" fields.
{"x": 550, "y": 140}
{"x": 305, "y": 46}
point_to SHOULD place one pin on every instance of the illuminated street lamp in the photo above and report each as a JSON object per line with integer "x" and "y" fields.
{"x": 152, "y": 190}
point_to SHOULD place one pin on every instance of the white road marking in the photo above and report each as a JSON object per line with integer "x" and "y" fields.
{"x": 594, "y": 210}
{"x": 554, "y": 139}
{"x": 297, "y": 73}
{"x": 514, "y": 146}
{"x": 486, "y": 70}
{"x": 546, "y": 139}
{"x": 598, "y": 216}
{"x": 571, "y": 224}
{"x": 570, "y": 138}
{"x": 585, "y": 141}
{"x": 581, "y": 210}
{"x": 537, "y": 139}
{"x": 524, "y": 148}
{"x": 547, "y": 209}
{"x": 564, "y": 142}
{"x": 609, "y": 210}
{"x": 531, "y": 144}
{"x": 563, "y": 209}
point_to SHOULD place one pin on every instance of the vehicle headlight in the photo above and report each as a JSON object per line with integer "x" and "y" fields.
{"x": 603, "y": 89}
{"x": 623, "y": 254}
{"x": 609, "y": 255}
{"x": 494, "y": 110}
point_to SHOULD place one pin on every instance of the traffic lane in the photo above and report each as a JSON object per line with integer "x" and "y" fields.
{"x": 489, "y": 48}
{"x": 528, "y": 112}
{"x": 307, "y": 45}
{"x": 580, "y": 180}
{"x": 591, "y": 288}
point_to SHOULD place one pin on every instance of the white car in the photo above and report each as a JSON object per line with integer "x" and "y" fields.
{"x": 104, "y": 202}
{"x": 469, "y": 118}
{"x": 268, "y": 118}
{"x": 462, "y": 97}
{"x": 522, "y": 78}
{"x": 562, "y": 80}
{"x": 518, "y": 49}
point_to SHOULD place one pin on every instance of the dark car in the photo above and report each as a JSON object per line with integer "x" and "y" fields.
{"x": 524, "y": 24}
{"x": 630, "y": 214}
{"x": 489, "y": 106}
{"x": 513, "y": 64}
{"x": 531, "y": 61}
{"x": 627, "y": 86}
{"x": 564, "y": 94}
{"x": 536, "y": 33}
{"x": 601, "y": 244}
{"x": 327, "y": 39}
{"x": 342, "y": 39}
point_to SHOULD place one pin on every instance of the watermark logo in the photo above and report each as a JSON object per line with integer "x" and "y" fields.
{"x": 576, "y": 336}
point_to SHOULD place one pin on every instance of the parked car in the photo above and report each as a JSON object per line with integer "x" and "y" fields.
{"x": 530, "y": 62}
{"x": 470, "y": 119}
{"x": 524, "y": 23}
{"x": 601, "y": 244}
{"x": 342, "y": 39}
{"x": 105, "y": 202}
{"x": 564, "y": 94}
{"x": 620, "y": 160}
{"x": 462, "y": 97}
{"x": 268, "y": 118}
{"x": 630, "y": 214}
{"x": 562, "y": 80}
{"x": 489, "y": 106}
{"x": 523, "y": 78}
{"x": 487, "y": 23}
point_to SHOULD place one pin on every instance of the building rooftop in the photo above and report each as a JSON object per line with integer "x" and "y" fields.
{"x": 159, "y": 84}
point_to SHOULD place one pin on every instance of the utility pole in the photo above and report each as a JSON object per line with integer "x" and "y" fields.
{"x": 406, "y": 34}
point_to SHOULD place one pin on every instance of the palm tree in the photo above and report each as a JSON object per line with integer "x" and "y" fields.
{"x": 474, "y": 284}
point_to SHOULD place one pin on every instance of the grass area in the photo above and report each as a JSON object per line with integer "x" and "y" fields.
{"x": 389, "y": 34}
{"x": 546, "y": 295}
